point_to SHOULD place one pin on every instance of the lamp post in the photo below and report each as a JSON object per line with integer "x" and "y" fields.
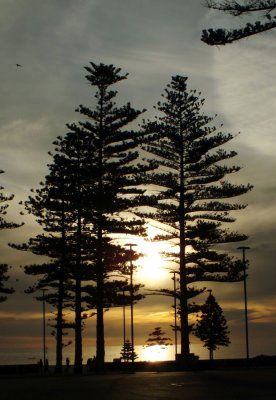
{"x": 175, "y": 322}
{"x": 131, "y": 301}
{"x": 243, "y": 248}
{"x": 44, "y": 327}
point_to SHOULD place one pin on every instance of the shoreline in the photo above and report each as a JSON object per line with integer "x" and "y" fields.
{"x": 146, "y": 366}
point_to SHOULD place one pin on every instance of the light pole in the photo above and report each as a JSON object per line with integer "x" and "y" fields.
{"x": 243, "y": 248}
{"x": 131, "y": 301}
{"x": 44, "y": 327}
{"x": 175, "y": 322}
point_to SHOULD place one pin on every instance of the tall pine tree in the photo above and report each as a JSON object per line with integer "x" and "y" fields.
{"x": 51, "y": 204}
{"x": 117, "y": 175}
{"x": 194, "y": 201}
{"x": 93, "y": 182}
{"x": 62, "y": 205}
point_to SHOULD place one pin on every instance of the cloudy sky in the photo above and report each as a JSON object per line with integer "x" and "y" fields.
{"x": 151, "y": 40}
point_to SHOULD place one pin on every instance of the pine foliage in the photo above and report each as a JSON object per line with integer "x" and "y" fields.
{"x": 54, "y": 206}
{"x": 126, "y": 352}
{"x": 156, "y": 337}
{"x": 94, "y": 180}
{"x": 4, "y": 268}
{"x": 116, "y": 176}
{"x": 211, "y": 326}
{"x": 195, "y": 199}
{"x": 264, "y": 8}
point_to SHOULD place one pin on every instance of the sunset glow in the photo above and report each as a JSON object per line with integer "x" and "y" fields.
{"x": 155, "y": 353}
{"x": 152, "y": 265}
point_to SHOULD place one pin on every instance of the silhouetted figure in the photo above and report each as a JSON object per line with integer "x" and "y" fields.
{"x": 67, "y": 363}
{"x": 46, "y": 366}
{"x": 40, "y": 365}
{"x": 90, "y": 364}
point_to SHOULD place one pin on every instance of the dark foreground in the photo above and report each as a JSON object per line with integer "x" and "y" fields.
{"x": 258, "y": 383}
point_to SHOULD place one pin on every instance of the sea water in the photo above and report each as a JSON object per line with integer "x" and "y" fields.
{"x": 32, "y": 356}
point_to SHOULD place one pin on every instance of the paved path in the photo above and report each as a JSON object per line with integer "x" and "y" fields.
{"x": 253, "y": 384}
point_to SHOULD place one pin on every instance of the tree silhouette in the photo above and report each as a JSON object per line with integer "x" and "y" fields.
{"x": 156, "y": 337}
{"x": 4, "y": 277}
{"x": 194, "y": 198}
{"x": 211, "y": 326}
{"x": 61, "y": 206}
{"x": 72, "y": 156}
{"x": 127, "y": 353}
{"x": 52, "y": 206}
{"x": 264, "y": 8}
{"x": 115, "y": 174}
{"x": 93, "y": 179}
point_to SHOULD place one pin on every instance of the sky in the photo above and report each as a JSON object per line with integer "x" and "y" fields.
{"x": 152, "y": 40}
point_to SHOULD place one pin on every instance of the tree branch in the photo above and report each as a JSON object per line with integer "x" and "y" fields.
{"x": 236, "y": 9}
{"x": 223, "y": 36}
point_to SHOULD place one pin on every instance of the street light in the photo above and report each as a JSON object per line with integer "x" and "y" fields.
{"x": 175, "y": 322}
{"x": 243, "y": 248}
{"x": 44, "y": 327}
{"x": 131, "y": 301}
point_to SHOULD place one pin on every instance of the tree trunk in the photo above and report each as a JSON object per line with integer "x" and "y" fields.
{"x": 100, "y": 345}
{"x": 59, "y": 332}
{"x": 78, "y": 330}
{"x": 59, "y": 329}
{"x": 100, "y": 352}
{"x": 184, "y": 325}
{"x": 78, "y": 308}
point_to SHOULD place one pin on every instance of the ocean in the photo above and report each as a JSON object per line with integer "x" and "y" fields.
{"x": 14, "y": 355}
{"x": 32, "y": 356}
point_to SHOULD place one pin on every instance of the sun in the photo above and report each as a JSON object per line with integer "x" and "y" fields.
{"x": 155, "y": 353}
{"x": 152, "y": 267}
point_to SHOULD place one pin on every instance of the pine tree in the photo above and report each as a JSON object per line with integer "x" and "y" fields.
{"x": 157, "y": 337}
{"x": 59, "y": 287}
{"x": 72, "y": 153}
{"x": 61, "y": 206}
{"x": 50, "y": 204}
{"x": 116, "y": 175}
{"x": 264, "y": 8}
{"x": 212, "y": 327}
{"x": 4, "y": 277}
{"x": 126, "y": 352}
{"x": 194, "y": 202}
{"x": 93, "y": 180}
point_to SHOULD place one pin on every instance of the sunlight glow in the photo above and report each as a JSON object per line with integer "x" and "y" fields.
{"x": 152, "y": 267}
{"x": 155, "y": 353}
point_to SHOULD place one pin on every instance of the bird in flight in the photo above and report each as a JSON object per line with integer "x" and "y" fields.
{"x": 18, "y": 65}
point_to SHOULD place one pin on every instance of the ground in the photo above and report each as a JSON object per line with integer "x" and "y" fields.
{"x": 242, "y": 383}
